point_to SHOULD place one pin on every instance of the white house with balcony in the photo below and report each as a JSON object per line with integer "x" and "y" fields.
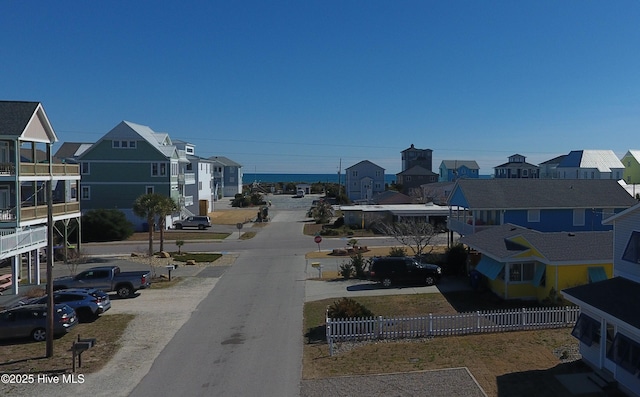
{"x": 32, "y": 187}
{"x": 198, "y": 181}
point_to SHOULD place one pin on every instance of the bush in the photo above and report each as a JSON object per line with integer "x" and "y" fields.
{"x": 346, "y": 270}
{"x": 339, "y": 222}
{"x": 348, "y": 308}
{"x": 358, "y": 263}
{"x": 397, "y": 251}
{"x": 457, "y": 259}
{"x": 105, "y": 225}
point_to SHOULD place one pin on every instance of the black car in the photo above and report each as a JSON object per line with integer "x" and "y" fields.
{"x": 403, "y": 270}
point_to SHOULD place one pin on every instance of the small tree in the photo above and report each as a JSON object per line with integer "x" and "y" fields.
{"x": 148, "y": 206}
{"x": 179, "y": 244}
{"x": 166, "y": 206}
{"x": 415, "y": 234}
{"x": 323, "y": 212}
{"x": 102, "y": 225}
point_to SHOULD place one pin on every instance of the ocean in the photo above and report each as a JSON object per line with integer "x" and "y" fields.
{"x": 302, "y": 178}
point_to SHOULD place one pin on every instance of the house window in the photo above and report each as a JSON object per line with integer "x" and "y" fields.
{"x": 378, "y": 173}
{"x": 578, "y": 217}
{"x": 86, "y": 193}
{"x": 407, "y": 178}
{"x": 632, "y": 251}
{"x": 189, "y": 167}
{"x": 85, "y": 168}
{"x": 354, "y": 173}
{"x": 587, "y": 330}
{"x": 533, "y": 215}
{"x": 521, "y": 272}
{"x": 199, "y": 185}
{"x": 626, "y": 353}
{"x": 377, "y": 186}
{"x": 232, "y": 179}
{"x": 148, "y": 189}
{"x": 158, "y": 169}
{"x": 123, "y": 144}
{"x": 525, "y": 173}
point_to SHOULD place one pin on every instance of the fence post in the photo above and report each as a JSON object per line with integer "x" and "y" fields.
{"x": 380, "y": 325}
{"x": 524, "y": 318}
{"x": 328, "y": 332}
{"x": 430, "y": 324}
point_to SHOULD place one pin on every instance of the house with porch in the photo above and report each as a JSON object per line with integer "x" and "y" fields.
{"x": 198, "y": 181}
{"x": 129, "y": 161}
{"x": 546, "y": 205}
{"x": 520, "y": 263}
{"x": 516, "y": 167}
{"x": 609, "y": 325}
{"x": 32, "y": 187}
{"x": 227, "y": 176}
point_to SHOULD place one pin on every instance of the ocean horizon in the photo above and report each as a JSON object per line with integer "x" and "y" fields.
{"x": 302, "y": 178}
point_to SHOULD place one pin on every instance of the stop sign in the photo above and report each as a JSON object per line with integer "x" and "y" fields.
{"x": 317, "y": 239}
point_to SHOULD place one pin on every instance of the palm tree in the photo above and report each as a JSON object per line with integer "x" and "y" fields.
{"x": 166, "y": 207}
{"x": 148, "y": 206}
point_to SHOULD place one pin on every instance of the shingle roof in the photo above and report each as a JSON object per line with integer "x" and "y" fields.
{"x": 225, "y": 161}
{"x": 553, "y": 246}
{"x": 455, "y": 164}
{"x": 15, "y": 115}
{"x": 518, "y": 193}
{"x": 619, "y": 297}
{"x": 417, "y": 170}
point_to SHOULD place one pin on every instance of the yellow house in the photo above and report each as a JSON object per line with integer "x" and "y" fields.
{"x": 520, "y": 263}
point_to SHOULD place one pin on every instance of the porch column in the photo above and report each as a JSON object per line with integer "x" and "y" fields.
{"x": 36, "y": 260}
{"x": 15, "y": 273}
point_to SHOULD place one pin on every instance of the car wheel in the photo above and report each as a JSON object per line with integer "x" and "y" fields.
{"x": 430, "y": 280}
{"x": 178, "y": 226}
{"x": 200, "y": 227}
{"x": 124, "y": 291}
{"x": 386, "y": 282}
{"x": 39, "y": 334}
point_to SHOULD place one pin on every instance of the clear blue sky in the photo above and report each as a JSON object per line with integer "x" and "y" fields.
{"x": 297, "y": 86}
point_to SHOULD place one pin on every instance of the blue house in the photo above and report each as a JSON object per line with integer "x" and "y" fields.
{"x": 546, "y": 205}
{"x": 452, "y": 170}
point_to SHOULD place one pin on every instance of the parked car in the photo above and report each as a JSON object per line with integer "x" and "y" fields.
{"x": 88, "y": 303}
{"x": 107, "y": 279}
{"x": 403, "y": 270}
{"x": 201, "y": 222}
{"x": 31, "y": 321}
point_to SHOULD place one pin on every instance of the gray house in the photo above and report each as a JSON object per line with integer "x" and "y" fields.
{"x": 364, "y": 180}
{"x": 227, "y": 177}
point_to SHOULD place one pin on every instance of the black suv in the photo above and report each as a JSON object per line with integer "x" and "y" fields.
{"x": 403, "y": 270}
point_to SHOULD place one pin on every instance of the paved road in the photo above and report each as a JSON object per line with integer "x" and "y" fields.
{"x": 244, "y": 339}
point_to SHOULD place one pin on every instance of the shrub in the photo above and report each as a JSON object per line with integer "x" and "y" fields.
{"x": 397, "y": 251}
{"x": 348, "y": 308}
{"x": 105, "y": 225}
{"x": 346, "y": 270}
{"x": 457, "y": 259}
{"x": 358, "y": 264}
{"x": 339, "y": 222}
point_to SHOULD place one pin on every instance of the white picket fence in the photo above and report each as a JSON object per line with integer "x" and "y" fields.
{"x": 374, "y": 328}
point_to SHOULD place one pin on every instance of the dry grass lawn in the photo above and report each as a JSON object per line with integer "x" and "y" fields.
{"x": 30, "y": 357}
{"x": 504, "y": 364}
{"x": 233, "y": 216}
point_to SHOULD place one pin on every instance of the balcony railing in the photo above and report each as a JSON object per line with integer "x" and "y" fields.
{"x": 32, "y": 169}
{"x": 464, "y": 228}
{"x": 40, "y": 211}
{"x": 189, "y": 178}
{"x": 21, "y": 240}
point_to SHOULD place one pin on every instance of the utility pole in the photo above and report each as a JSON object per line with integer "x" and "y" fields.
{"x": 50, "y": 306}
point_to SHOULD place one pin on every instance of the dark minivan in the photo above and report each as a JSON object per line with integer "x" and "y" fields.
{"x": 403, "y": 270}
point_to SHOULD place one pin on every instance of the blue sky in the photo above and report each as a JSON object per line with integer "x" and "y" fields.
{"x": 298, "y": 86}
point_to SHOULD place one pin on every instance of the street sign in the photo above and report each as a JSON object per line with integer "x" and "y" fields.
{"x": 317, "y": 239}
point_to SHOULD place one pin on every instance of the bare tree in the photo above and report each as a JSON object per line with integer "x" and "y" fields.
{"x": 415, "y": 234}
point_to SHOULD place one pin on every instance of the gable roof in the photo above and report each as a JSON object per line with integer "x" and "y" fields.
{"x": 225, "y": 161}
{"x": 621, "y": 214}
{"x": 126, "y": 130}
{"x": 364, "y": 162}
{"x": 618, "y": 297}
{"x": 455, "y": 164}
{"x": 633, "y": 153}
{"x": 516, "y": 193}
{"x": 602, "y": 160}
{"x": 71, "y": 150}
{"x": 20, "y": 118}
{"x": 499, "y": 243}
{"x": 555, "y": 160}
